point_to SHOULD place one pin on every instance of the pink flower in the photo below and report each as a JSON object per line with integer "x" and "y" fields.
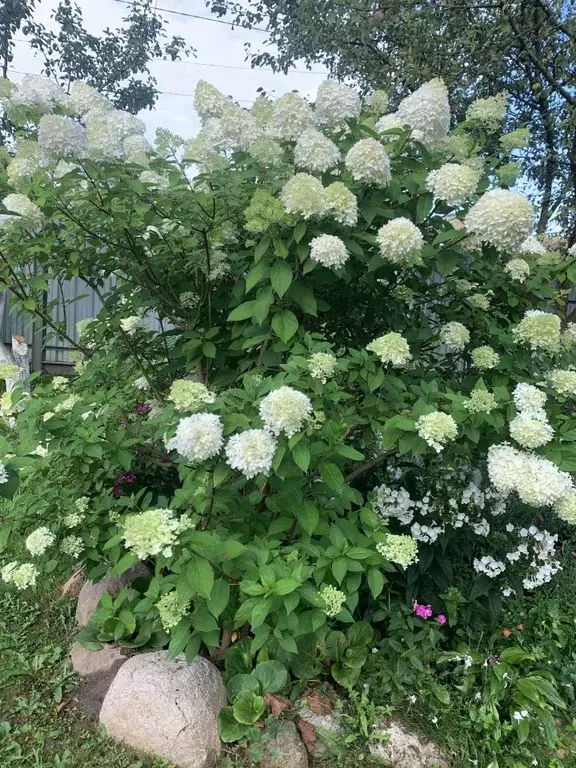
{"x": 422, "y": 611}
{"x": 441, "y": 619}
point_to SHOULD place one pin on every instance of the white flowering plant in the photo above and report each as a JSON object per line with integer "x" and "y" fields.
{"x": 295, "y": 304}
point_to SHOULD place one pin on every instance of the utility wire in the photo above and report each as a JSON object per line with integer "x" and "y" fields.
{"x": 196, "y": 16}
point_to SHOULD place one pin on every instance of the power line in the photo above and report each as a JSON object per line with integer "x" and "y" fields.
{"x": 196, "y": 16}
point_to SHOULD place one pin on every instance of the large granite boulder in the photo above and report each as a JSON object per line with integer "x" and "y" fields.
{"x": 406, "y": 749}
{"x": 284, "y": 749}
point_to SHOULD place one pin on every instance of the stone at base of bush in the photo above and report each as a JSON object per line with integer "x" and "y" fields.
{"x": 168, "y": 708}
{"x": 285, "y": 750}
{"x": 406, "y": 749}
{"x": 92, "y": 591}
{"x": 97, "y": 670}
{"x": 72, "y": 587}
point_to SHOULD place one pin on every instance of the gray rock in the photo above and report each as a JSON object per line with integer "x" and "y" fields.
{"x": 327, "y": 728}
{"x": 92, "y": 591}
{"x": 97, "y": 670}
{"x": 405, "y": 749}
{"x": 285, "y": 750}
{"x": 167, "y": 708}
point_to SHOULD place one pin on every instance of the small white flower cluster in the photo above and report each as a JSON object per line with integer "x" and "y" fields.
{"x": 209, "y": 101}
{"x": 485, "y": 358}
{"x": 84, "y": 99}
{"x": 322, "y": 365}
{"x": 21, "y": 576}
{"x": 402, "y": 550}
{"x": 490, "y": 112}
{"x": 290, "y": 117}
{"x": 530, "y": 428}
{"x": 343, "y": 205}
{"x": 455, "y": 335}
{"x": 401, "y": 242}
{"x": 131, "y": 324}
{"x": 28, "y": 212}
{"x": 489, "y": 566}
{"x": 335, "y": 103}
{"x": 481, "y": 401}
{"x": 453, "y": 183}
{"x": 315, "y": 152}
{"x": 329, "y": 251}
{"x": 191, "y": 396}
{"x": 518, "y": 269}
{"x": 501, "y": 218}
{"x": 251, "y": 452}
{"x": 368, "y": 161}
{"x": 153, "y": 532}
{"x": 61, "y": 137}
{"x": 564, "y": 382}
{"x": 427, "y": 534}
{"x": 394, "y": 502}
{"x": 72, "y": 546}
{"x": 334, "y": 599}
{"x": 285, "y": 410}
{"x": 539, "y": 330}
{"x": 142, "y": 383}
{"x": 392, "y": 348}
{"x": 532, "y": 246}
{"x": 39, "y": 541}
{"x": 304, "y": 195}
{"x": 480, "y": 300}
{"x": 198, "y": 437}
{"x": 4, "y": 476}
{"x": 427, "y": 112}
{"x": 437, "y": 429}
{"x": 39, "y": 93}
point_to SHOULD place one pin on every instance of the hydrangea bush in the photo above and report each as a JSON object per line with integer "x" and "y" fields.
{"x": 363, "y": 369}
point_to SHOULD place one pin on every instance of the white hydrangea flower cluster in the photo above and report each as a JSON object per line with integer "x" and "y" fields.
{"x": 485, "y": 358}
{"x": 532, "y": 246}
{"x": 136, "y": 149}
{"x": 305, "y": 196}
{"x": 198, "y": 437}
{"x": 539, "y": 330}
{"x": 531, "y": 429}
{"x": 21, "y": 576}
{"x": 285, "y": 410}
{"x": 290, "y": 117}
{"x": 30, "y": 213}
{"x": 335, "y": 103}
{"x": 528, "y": 397}
{"x": 191, "y": 396}
{"x": 564, "y": 382}
{"x": 479, "y": 300}
{"x": 481, "y": 401}
{"x": 490, "y": 112}
{"x": 518, "y": 269}
{"x": 4, "y": 476}
{"x": 329, "y": 251}
{"x": 392, "y": 348}
{"x": 209, "y": 101}
{"x": 72, "y": 546}
{"x": 60, "y": 383}
{"x": 437, "y": 429}
{"x": 427, "y": 534}
{"x": 315, "y": 152}
{"x": 170, "y": 610}
{"x": 537, "y": 481}
{"x": 388, "y": 123}
{"x": 401, "y": 242}
{"x": 502, "y": 218}
{"x": 267, "y": 152}
{"x": 25, "y": 163}
{"x": 455, "y": 335}
{"x": 368, "y": 161}
{"x": 427, "y": 112}
{"x": 38, "y": 93}
{"x": 322, "y": 365}
{"x": 39, "y": 541}
{"x": 565, "y": 507}
{"x": 453, "y": 183}
{"x": 334, "y": 599}
{"x": 489, "y": 566}
{"x": 153, "y": 532}
{"x": 402, "y": 550}
{"x": 131, "y": 324}
{"x": 378, "y": 100}
{"x": 343, "y": 203}
{"x": 251, "y": 452}
{"x": 84, "y": 99}
{"x": 394, "y": 502}
{"x": 61, "y": 137}
{"x": 142, "y": 383}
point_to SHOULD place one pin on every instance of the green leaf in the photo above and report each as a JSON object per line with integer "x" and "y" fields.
{"x": 264, "y": 301}
{"x": 299, "y": 231}
{"x": 360, "y": 635}
{"x": 285, "y": 324}
{"x": 344, "y": 676}
{"x": 125, "y": 562}
{"x": 304, "y": 297}
{"x": 308, "y": 516}
{"x": 273, "y": 676}
{"x": 259, "y": 613}
{"x": 515, "y": 655}
{"x": 221, "y": 472}
{"x": 219, "y": 597}
{"x": 179, "y": 639}
{"x": 440, "y": 692}
{"x": 255, "y": 275}
{"x": 262, "y": 247}
{"x": 241, "y": 682}
{"x": 203, "y": 621}
{"x": 192, "y": 648}
{"x": 243, "y": 312}
{"x": 232, "y": 548}
{"x": 301, "y": 455}
{"x": 230, "y": 729}
{"x": 331, "y": 475}
{"x": 200, "y": 575}
{"x": 281, "y": 277}
{"x": 248, "y": 708}
{"x": 209, "y": 349}
{"x": 339, "y": 569}
{"x": 286, "y": 586}
{"x": 375, "y": 580}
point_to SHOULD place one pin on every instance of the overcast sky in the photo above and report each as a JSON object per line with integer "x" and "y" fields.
{"x": 215, "y": 44}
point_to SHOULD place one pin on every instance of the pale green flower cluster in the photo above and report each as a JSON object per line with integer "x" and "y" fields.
{"x": 343, "y": 203}
{"x": 368, "y": 161}
{"x": 131, "y": 324}
{"x": 68, "y": 404}
{"x": 485, "y": 358}
{"x": 502, "y": 218}
{"x": 329, "y": 251}
{"x": 402, "y": 550}
{"x": 322, "y": 365}
{"x": 378, "y": 100}
{"x": 9, "y": 371}
{"x": 489, "y": 112}
{"x": 267, "y": 152}
{"x": 59, "y": 137}
{"x": 462, "y": 285}
{"x": 517, "y": 139}
{"x": 531, "y": 429}
{"x": 533, "y": 246}
{"x": 479, "y": 300}
{"x": 209, "y": 101}
{"x": 518, "y": 269}
{"x": 191, "y": 396}
{"x": 564, "y": 382}
{"x": 453, "y": 183}
{"x": 285, "y": 410}
{"x": 455, "y": 335}
{"x": 392, "y": 348}
{"x": 263, "y": 213}
{"x": 153, "y": 532}
{"x": 24, "y": 164}
{"x": 21, "y": 576}
{"x": 304, "y": 195}
{"x": 170, "y": 610}
{"x": 334, "y": 599}
{"x": 39, "y": 541}
{"x": 29, "y": 213}
{"x": 72, "y": 546}
{"x": 539, "y": 330}
{"x": 335, "y": 103}
{"x": 565, "y": 507}
{"x": 481, "y": 401}
{"x": 401, "y": 242}
{"x": 427, "y": 112}
{"x": 290, "y": 116}
{"x": 405, "y": 294}
{"x": 437, "y": 429}
{"x": 59, "y": 383}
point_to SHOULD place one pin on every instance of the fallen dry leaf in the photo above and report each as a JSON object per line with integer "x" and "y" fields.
{"x": 277, "y": 704}
{"x": 320, "y": 703}
{"x": 307, "y": 734}
{"x": 63, "y": 705}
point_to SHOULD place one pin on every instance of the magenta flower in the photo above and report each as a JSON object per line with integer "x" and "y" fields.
{"x": 422, "y": 611}
{"x": 441, "y": 619}
{"x": 143, "y": 408}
